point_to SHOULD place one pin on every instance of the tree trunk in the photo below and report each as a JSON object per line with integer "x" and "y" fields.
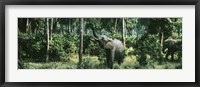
{"x": 115, "y": 25}
{"x": 51, "y": 29}
{"x": 61, "y": 29}
{"x": 161, "y": 40}
{"x": 69, "y": 25}
{"x": 47, "y": 32}
{"x": 54, "y": 24}
{"x": 81, "y": 41}
{"x": 27, "y": 25}
{"x": 36, "y": 27}
{"x": 161, "y": 46}
{"x": 123, "y": 33}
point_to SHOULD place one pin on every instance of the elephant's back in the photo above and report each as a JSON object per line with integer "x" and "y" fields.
{"x": 118, "y": 45}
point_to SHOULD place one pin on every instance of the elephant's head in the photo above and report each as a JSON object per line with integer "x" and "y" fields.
{"x": 103, "y": 40}
{"x": 166, "y": 44}
{"x": 171, "y": 43}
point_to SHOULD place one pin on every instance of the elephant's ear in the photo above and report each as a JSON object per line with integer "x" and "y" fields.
{"x": 109, "y": 45}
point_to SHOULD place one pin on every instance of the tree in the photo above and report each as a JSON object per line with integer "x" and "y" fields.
{"x": 27, "y": 24}
{"x": 51, "y": 28}
{"x": 115, "y": 25}
{"x": 69, "y": 25}
{"x": 161, "y": 27}
{"x": 47, "y": 32}
{"x": 81, "y": 42}
{"x": 123, "y": 33}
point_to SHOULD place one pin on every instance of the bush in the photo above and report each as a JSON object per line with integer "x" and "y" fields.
{"x": 148, "y": 45}
{"x": 116, "y": 36}
{"x": 56, "y": 48}
{"x": 130, "y": 62}
{"x": 95, "y": 49}
{"x": 31, "y": 47}
{"x": 130, "y": 41}
{"x": 129, "y": 51}
{"x": 34, "y": 47}
{"x": 61, "y": 46}
{"x": 89, "y": 63}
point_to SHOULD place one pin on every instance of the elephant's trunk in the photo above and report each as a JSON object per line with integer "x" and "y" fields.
{"x": 164, "y": 46}
{"x": 163, "y": 49}
{"x": 95, "y": 35}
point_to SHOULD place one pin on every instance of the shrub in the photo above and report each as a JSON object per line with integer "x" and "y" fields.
{"x": 150, "y": 45}
{"x": 61, "y": 46}
{"x": 130, "y": 62}
{"x": 130, "y": 41}
{"x": 89, "y": 63}
{"x": 129, "y": 51}
{"x": 31, "y": 47}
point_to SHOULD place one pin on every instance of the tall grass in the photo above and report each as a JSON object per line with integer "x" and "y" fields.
{"x": 93, "y": 62}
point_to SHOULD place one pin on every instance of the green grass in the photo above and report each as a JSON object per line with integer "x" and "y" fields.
{"x": 50, "y": 65}
{"x": 92, "y": 62}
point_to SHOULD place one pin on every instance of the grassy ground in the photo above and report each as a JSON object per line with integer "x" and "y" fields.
{"x": 130, "y": 62}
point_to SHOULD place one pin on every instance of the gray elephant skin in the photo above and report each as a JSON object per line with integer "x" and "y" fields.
{"x": 113, "y": 47}
{"x": 170, "y": 46}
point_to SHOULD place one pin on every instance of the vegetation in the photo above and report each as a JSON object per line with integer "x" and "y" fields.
{"x": 68, "y": 43}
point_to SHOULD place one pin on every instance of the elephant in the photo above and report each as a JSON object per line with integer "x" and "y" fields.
{"x": 114, "y": 49}
{"x": 172, "y": 46}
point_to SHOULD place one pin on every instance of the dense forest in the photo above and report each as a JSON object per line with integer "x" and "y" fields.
{"x": 99, "y": 43}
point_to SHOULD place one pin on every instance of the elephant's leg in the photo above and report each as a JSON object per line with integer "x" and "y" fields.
{"x": 119, "y": 61}
{"x": 120, "y": 58}
{"x": 166, "y": 56}
{"x": 107, "y": 58}
{"x": 110, "y": 58}
{"x": 109, "y": 63}
{"x": 172, "y": 56}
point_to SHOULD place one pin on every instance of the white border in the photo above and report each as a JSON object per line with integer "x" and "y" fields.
{"x": 187, "y": 74}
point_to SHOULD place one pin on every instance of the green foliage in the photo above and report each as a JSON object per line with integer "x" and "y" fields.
{"x": 61, "y": 46}
{"x": 22, "y": 45}
{"x": 130, "y": 62}
{"x": 50, "y": 65}
{"x": 130, "y": 41}
{"x": 90, "y": 63}
{"x": 150, "y": 45}
{"x": 92, "y": 47}
{"x": 34, "y": 47}
{"x": 116, "y": 36}
{"x": 175, "y": 36}
{"x": 56, "y": 47}
{"x": 143, "y": 37}
{"x": 129, "y": 51}
{"x": 95, "y": 49}
{"x": 31, "y": 46}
